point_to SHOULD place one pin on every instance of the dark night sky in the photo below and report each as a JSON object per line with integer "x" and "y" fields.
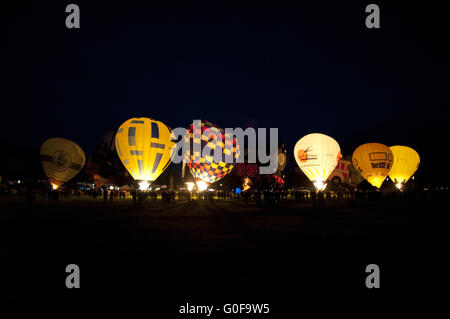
{"x": 304, "y": 69}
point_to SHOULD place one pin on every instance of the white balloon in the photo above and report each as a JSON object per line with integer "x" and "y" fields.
{"x": 317, "y": 156}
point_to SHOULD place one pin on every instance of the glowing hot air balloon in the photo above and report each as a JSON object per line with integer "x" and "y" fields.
{"x": 61, "y": 159}
{"x": 406, "y": 163}
{"x": 202, "y": 140}
{"x": 144, "y": 146}
{"x": 317, "y": 156}
{"x": 373, "y": 161}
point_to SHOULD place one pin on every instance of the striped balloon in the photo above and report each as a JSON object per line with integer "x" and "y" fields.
{"x": 144, "y": 146}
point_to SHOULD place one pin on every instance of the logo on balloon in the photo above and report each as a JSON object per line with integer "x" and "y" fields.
{"x": 317, "y": 156}
{"x": 61, "y": 160}
{"x": 302, "y": 156}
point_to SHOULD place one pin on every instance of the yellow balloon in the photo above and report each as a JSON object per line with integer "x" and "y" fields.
{"x": 61, "y": 159}
{"x": 406, "y": 163}
{"x": 317, "y": 156}
{"x": 373, "y": 161}
{"x": 144, "y": 146}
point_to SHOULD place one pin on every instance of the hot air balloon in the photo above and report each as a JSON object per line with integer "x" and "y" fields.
{"x": 61, "y": 159}
{"x": 406, "y": 163}
{"x": 317, "y": 155}
{"x": 144, "y": 146}
{"x": 104, "y": 165}
{"x": 373, "y": 161}
{"x": 341, "y": 174}
{"x": 355, "y": 177}
{"x": 203, "y": 167}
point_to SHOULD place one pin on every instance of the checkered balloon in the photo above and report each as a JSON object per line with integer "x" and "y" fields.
{"x": 207, "y": 142}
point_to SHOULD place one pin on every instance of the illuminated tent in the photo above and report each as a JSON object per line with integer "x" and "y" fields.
{"x": 317, "y": 156}
{"x": 61, "y": 159}
{"x": 144, "y": 146}
{"x": 204, "y": 140}
{"x": 373, "y": 161}
{"x": 406, "y": 162}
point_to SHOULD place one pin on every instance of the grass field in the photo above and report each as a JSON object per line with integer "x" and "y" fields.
{"x": 222, "y": 247}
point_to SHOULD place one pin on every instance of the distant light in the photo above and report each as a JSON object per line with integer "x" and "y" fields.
{"x": 18, "y": 182}
{"x": 211, "y": 189}
{"x": 111, "y": 187}
{"x": 143, "y": 185}
{"x": 54, "y": 186}
{"x": 399, "y": 186}
{"x": 190, "y": 186}
{"x": 202, "y": 185}
{"x": 413, "y": 178}
{"x": 246, "y": 184}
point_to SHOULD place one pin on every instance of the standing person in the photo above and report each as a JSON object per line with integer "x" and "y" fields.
{"x": 258, "y": 198}
{"x": 320, "y": 197}
{"x": 111, "y": 195}
{"x": 133, "y": 195}
{"x": 246, "y": 196}
{"x": 139, "y": 195}
{"x": 105, "y": 195}
{"x": 314, "y": 197}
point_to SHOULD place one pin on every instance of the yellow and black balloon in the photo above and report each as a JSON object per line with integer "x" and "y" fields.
{"x": 61, "y": 159}
{"x": 406, "y": 163}
{"x": 144, "y": 146}
{"x": 203, "y": 139}
{"x": 373, "y": 161}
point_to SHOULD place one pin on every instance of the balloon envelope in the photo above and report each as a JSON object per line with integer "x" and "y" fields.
{"x": 205, "y": 140}
{"x": 406, "y": 163}
{"x": 373, "y": 161}
{"x": 317, "y": 156}
{"x": 144, "y": 146}
{"x": 61, "y": 159}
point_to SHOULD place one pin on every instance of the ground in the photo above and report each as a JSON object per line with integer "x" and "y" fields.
{"x": 222, "y": 248}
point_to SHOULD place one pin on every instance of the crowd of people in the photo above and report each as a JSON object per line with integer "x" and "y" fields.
{"x": 267, "y": 197}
